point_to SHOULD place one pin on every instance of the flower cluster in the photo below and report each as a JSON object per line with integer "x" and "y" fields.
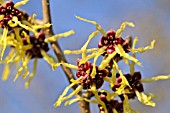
{"x": 111, "y": 105}
{"x": 110, "y": 41}
{"x": 7, "y": 12}
{"x": 25, "y": 39}
{"x": 91, "y": 77}
{"x": 134, "y": 82}
{"x": 84, "y": 71}
{"x": 38, "y": 45}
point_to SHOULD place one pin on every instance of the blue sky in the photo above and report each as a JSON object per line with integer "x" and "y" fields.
{"x": 152, "y": 20}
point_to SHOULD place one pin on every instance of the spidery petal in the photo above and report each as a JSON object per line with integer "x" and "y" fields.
{"x": 56, "y": 37}
{"x": 19, "y": 4}
{"x": 98, "y": 27}
{"x": 122, "y": 27}
{"x": 145, "y": 99}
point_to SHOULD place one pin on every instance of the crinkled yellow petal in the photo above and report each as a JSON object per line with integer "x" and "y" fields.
{"x": 32, "y": 18}
{"x": 69, "y": 102}
{"x": 114, "y": 111}
{"x": 18, "y": 73}
{"x": 126, "y": 91}
{"x": 4, "y": 40}
{"x": 122, "y": 27}
{"x": 134, "y": 43}
{"x": 132, "y": 65}
{"x": 42, "y": 26}
{"x": 76, "y": 91}
{"x": 83, "y": 49}
{"x": 50, "y": 60}
{"x": 26, "y": 72}
{"x": 56, "y": 37}
{"x": 1, "y": 17}
{"x": 70, "y": 66}
{"x": 93, "y": 73}
{"x": 27, "y": 83}
{"x": 2, "y": 2}
{"x": 98, "y": 27}
{"x": 126, "y": 105}
{"x": 118, "y": 91}
{"x": 113, "y": 76}
{"x": 24, "y": 66}
{"x": 100, "y": 51}
{"x": 36, "y": 27}
{"x": 153, "y": 79}
{"x": 95, "y": 92}
{"x": 27, "y": 37}
{"x": 10, "y": 57}
{"x": 141, "y": 50}
{"x": 83, "y": 19}
{"x": 80, "y": 51}
{"x": 54, "y": 66}
{"x": 76, "y": 81}
{"x": 106, "y": 61}
{"x": 10, "y": 36}
{"x": 145, "y": 99}
{"x": 17, "y": 58}
{"x": 18, "y": 4}
{"x": 60, "y": 99}
{"x": 122, "y": 53}
{"x": 11, "y": 24}
{"x": 11, "y": 41}
{"x": 27, "y": 23}
{"x": 6, "y": 72}
{"x": 26, "y": 47}
{"x": 124, "y": 82}
{"x": 18, "y": 37}
{"x": 15, "y": 21}
{"x": 126, "y": 61}
{"x": 108, "y": 79}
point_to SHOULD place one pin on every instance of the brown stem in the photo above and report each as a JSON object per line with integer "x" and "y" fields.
{"x": 84, "y": 106}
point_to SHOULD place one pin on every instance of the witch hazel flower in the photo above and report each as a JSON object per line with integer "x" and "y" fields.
{"x": 40, "y": 48}
{"x": 89, "y": 77}
{"x": 110, "y": 41}
{"x": 38, "y": 45}
{"x": 85, "y": 79}
{"x": 84, "y": 71}
{"x": 12, "y": 19}
{"x": 27, "y": 46}
{"x": 8, "y": 10}
{"x": 134, "y": 82}
{"x": 111, "y": 104}
{"x": 113, "y": 48}
{"x": 22, "y": 51}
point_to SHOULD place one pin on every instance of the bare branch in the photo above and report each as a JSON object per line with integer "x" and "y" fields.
{"x": 84, "y": 106}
